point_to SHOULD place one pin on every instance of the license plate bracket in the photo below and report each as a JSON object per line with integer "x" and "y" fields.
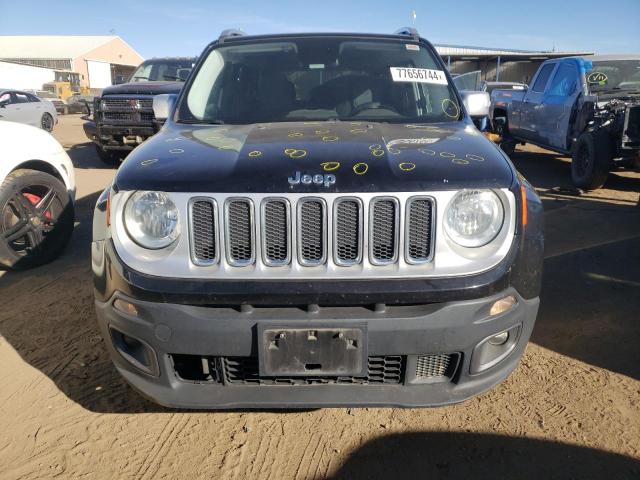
{"x": 312, "y": 350}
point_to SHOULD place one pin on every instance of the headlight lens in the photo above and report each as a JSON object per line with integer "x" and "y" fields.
{"x": 474, "y": 217}
{"x": 151, "y": 219}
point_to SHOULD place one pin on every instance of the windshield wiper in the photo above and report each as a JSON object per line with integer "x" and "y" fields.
{"x": 141, "y": 77}
{"x": 172, "y": 77}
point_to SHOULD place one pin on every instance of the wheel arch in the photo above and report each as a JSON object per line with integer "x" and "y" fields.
{"x": 41, "y": 166}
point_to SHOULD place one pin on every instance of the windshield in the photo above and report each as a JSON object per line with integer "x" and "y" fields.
{"x": 315, "y": 79}
{"x": 613, "y": 75}
{"x": 163, "y": 71}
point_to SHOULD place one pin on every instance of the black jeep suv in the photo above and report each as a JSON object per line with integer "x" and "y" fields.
{"x": 317, "y": 223}
{"x": 123, "y": 115}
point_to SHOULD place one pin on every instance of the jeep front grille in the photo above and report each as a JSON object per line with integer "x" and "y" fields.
{"x": 348, "y": 231}
{"x": 384, "y": 231}
{"x": 311, "y": 231}
{"x": 203, "y": 232}
{"x": 239, "y": 232}
{"x": 418, "y": 230}
{"x": 276, "y": 232}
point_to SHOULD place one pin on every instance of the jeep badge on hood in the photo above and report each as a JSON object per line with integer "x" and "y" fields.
{"x": 306, "y": 179}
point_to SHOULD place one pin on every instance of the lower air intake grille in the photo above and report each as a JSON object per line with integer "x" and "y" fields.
{"x": 418, "y": 241}
{"x": 436, "y": 366}
{"x": 311, "y": 232}
{"x": 239, "y": 228}
{"x": 203, "y": 227}
{"x": 348, "y": 230}
{"x": 275, "y": 232}
{"x": 382, "y": 370}
{"x": 384, "y": 231}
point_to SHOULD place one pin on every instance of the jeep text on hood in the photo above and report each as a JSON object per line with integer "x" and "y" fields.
{"x": 318, "y": 223}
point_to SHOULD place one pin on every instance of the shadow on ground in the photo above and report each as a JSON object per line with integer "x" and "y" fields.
{"x": 447, "y": 455}
{"x": 589, "y": 308}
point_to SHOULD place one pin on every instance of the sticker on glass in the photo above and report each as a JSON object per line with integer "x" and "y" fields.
{"x": 419, "y": 75}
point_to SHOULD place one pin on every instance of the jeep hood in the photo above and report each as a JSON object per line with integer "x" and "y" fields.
{"x": 143, "y": 88}
{"x": 363, "y": 157}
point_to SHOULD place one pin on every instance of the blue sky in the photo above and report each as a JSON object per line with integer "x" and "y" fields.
{"x": 184, "y": 27}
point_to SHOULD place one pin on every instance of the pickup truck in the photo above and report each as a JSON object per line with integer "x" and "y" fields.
{"x": 317, "y": 223}
{"x": 586, "y": 107}
{"x": 123, "y": 114}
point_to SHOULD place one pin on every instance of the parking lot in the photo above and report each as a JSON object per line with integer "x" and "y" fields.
{"x": 570, "y": 410}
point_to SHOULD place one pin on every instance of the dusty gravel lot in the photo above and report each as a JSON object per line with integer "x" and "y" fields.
{"x": 571, "y": 409}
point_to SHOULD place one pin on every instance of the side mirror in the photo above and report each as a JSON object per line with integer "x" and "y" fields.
{"x": 476, "y": 103}
{"x": 163, "y": 105}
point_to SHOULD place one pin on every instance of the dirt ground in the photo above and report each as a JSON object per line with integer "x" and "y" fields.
{"x": 570, "y": 410}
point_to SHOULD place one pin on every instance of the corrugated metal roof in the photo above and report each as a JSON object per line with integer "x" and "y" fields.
{"x": 50, "y": 46}
{"x": 467, "y": 51}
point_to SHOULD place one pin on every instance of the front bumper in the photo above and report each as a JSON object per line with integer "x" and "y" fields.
{"x": 172, "y": 329}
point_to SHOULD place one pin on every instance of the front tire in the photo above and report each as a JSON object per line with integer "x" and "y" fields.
{"x": 36, "y": 219}
{"x": 591, "y": 160}
{"x": 46, "y": 122}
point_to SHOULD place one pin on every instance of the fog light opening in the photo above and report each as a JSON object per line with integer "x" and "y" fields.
{"x": 135, "y": 351}
{"x": 502, "y": 305}
{"x": 493, "y": 349}
{"x": 125, "y": 307}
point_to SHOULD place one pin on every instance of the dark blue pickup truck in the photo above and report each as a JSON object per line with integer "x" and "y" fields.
{"x": 586, "y": 107}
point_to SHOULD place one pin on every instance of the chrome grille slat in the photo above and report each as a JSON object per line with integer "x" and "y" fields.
{"x": 419, "y": 230}
{"x": 384, "y": 218}
{"x": 203, "y": 232}
{"x": 347, "y": 231}
{"x": 239, "y": 232}
{"x": 276, "y": 232}
{"x": 312, "y": 232}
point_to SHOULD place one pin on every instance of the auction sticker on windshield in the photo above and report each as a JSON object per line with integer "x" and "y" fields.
{"x": 420, "y": 75}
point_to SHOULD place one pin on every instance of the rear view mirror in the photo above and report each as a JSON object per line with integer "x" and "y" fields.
{"x": 476, "y": 103}
{"x": 163, "y": 105}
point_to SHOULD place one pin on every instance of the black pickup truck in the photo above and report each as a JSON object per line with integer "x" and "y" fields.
{"x": 317, "y": 223}
{"x": 123, "y": 115}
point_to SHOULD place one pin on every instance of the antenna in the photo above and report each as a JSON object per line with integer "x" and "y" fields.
{"x": 413, "y": 17}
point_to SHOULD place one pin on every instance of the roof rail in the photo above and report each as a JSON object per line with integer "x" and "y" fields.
{"x": 408, "y": 31}
{"x": 230, "y": 32}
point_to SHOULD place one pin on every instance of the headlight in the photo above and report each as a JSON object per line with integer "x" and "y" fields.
{"x": 151, "y": 219}
{"x": 474, "y": 217}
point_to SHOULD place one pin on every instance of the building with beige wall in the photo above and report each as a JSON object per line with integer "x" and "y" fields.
{"x": 93, "y": 61}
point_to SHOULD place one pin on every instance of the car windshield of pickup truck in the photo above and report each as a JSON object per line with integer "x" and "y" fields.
{"x": 163, "y": 70}
{"x": 315, "y": 79}
{"x": 613, "y": 76}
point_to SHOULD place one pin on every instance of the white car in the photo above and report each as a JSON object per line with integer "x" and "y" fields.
{"x": 37, "y": 193}
{"x": 23, "y": 107}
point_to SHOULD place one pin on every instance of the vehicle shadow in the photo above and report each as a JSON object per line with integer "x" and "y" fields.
{"x": 83, "y": 155}
{"x": 448, "y": 455}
